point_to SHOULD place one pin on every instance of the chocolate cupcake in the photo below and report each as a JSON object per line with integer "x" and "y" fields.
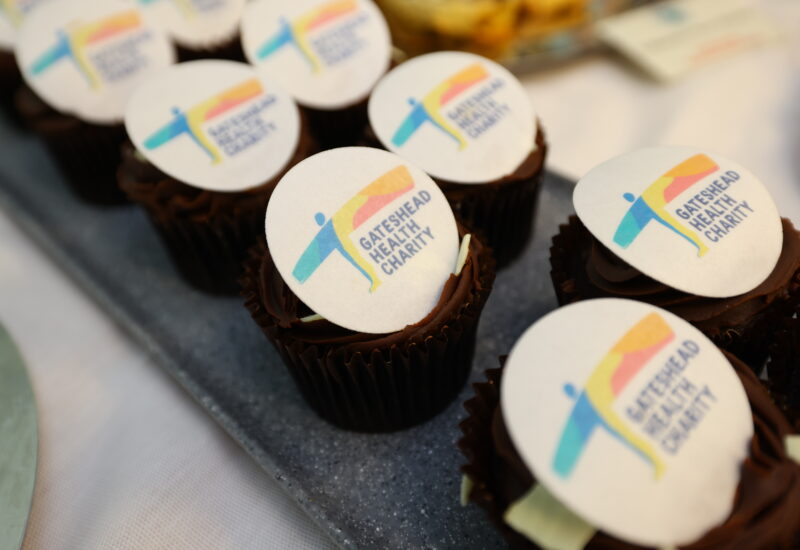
{"x": 762, "y": 513}
{"x": 327, "y": 54}
{"x": 212, "y": 138}
{"x": 583, "y": 268}
{"x": 741, "y": 320}
{"x": 201, "y": 29}
{"x": 375, "y": 313}
{"x": 468, "y": 123}
{"x": 82, "y": 59}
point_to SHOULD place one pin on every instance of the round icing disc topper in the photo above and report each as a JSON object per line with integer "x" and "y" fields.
{"x": 197, "y": 23}
{"x": 327, "y": 53}
{"x": 688, "y": 218}
{"x": 363, "y": 238}
{"x": 214, "y": 124}
{"x": 12, "y": 13}
{"x": 85, "y": 57}
{"x": 631, "y": 418}
{"x": 458, "y": 116}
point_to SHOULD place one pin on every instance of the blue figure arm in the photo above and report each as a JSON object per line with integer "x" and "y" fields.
{"x": 414, "y": 120}
{"x": 316, "y": 252}
{"x": 60, "y": 50}
{"x": 281, "y": 38}
{"x": 580, "y": 426}
{"x": 635, "y": 220}
{"x": 172, "y": 129}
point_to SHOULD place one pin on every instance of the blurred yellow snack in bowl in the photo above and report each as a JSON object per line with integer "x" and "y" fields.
{"x": 501, "y": 29}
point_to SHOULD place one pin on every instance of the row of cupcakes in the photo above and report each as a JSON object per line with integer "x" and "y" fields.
{"x": 323, "y": 64}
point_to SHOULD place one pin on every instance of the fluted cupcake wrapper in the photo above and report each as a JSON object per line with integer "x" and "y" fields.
{"x": 476, "y": 432}
{"x": 230, "y": 49}
{"x": 388, "y": 387}
{"x": 337, "y": 128}
{"x": 501, "y": 213}
{"x": 209, "y": 254}
{"x": 87, "y": 155}
{"x": 10, "y": 82}
{"x": 750, "y": 340}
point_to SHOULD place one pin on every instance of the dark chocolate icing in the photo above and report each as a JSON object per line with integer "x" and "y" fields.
{"x": 285, "y": 308}
{"x": 165, "y": 196}
{"x": 765, "y": 513}
{"x": 583, "y": 268}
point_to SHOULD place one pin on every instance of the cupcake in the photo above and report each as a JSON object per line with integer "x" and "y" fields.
{"x": 368, "y": 289}
{"x": 328, "y": 54}
{"x": 11, "y": 17}
{"x": 731, "y": 267}
{"x": 201, "y": 29}
{"x": 468, "y": 123}
{"x": 81, "y": 60}
{"x": 210, "y": 139}
{"x": 734, "y": 488}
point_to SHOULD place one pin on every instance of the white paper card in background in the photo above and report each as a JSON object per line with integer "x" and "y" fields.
{"x": 363, "y": 238}
{"x": 197, "y": 23}
{"x": 214, "y": 124}
{"x": 12, "y": 13}
{"x": 458, "y": 116}
{"x": 688, "y": 218}
{"x": 668, "y": 39}
{"x": 631, "y": 417}
{"x": 85, "y": 57}
{"x": 327, "y": 53}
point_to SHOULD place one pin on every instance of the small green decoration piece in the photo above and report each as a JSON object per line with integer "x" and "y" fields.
{"x": 792, "y": 443}
{"x": 547, "y": 522}
{"x": 466, "y": 489}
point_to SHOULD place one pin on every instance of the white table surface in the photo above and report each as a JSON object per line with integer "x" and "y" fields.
{"x": 129, "y": 461}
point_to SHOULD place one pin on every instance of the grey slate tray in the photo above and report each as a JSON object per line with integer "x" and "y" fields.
{"x": 398, "y": 490}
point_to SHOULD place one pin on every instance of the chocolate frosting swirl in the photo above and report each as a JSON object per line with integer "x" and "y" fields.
{"x": 168, "y": 198}
{"x": 765, "y": 512}
{"x": 583, "y": 268}
{"x": 285, "y": 310}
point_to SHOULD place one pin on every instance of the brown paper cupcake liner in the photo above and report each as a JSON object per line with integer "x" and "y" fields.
{"x": 209, "y": 254}
{"x": 87, "y": 154}
{"x": 230, "y": 49}
{"x": 502, "y": 213}
{"x": 388, "y": 387}
{"x": 10, "y": 82}
{"x": 337, "y": 128}
{"x": 749, "y": 340}
{"x": 476, "y": 431}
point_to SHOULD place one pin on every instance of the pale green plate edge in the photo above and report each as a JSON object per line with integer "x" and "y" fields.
{"x": 19, "y": 444}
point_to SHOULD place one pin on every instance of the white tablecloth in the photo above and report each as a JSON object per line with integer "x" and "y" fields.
{"x": 128, "y": 461}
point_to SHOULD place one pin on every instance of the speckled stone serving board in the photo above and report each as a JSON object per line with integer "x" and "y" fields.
{"x": 398, "y": 490}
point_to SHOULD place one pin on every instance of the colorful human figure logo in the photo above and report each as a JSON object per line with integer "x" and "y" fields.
{"x": 651, "y": 205}
{"x": 593, "y": 407}
{"x": 190, "y": 122}
{"x": 429, "y": 109}
{"x": 296, "y": 32}
{"x": 73, "y": 43}
{"x": 334, "y": 233}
